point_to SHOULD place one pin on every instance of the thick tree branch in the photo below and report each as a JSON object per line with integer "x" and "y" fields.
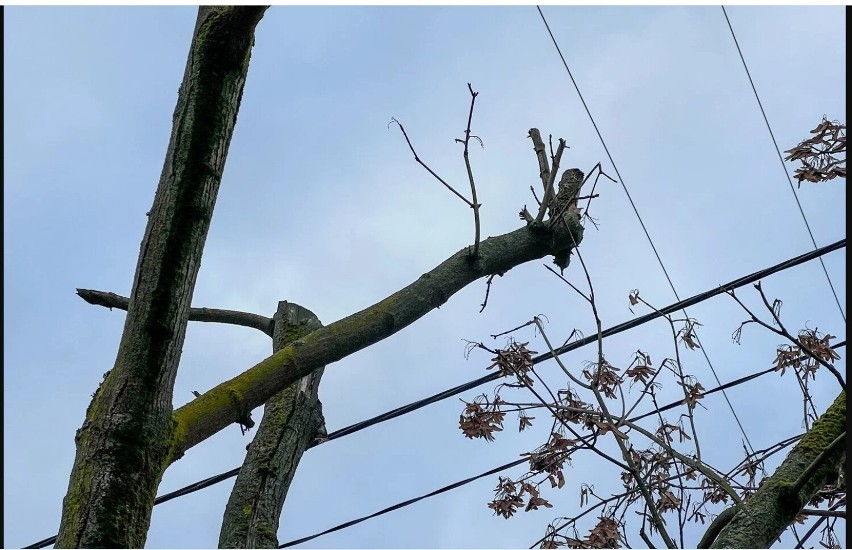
{"x": 200, "y": 314}
{"x": 125, "y": 441}
{"x": 291, "y": 421}
{"x": 767, "y": 513}
{"x": 223, "y": 405}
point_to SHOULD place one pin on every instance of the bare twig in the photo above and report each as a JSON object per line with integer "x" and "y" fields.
{"x": 538, "y": 202}
{"x": 625, "y": 453}
{"x": 567, "y": 282}
{"x": 819, "y": 522}
{"x": 555, "y": 356}
{"x": 824, "y": 513}
{"x": 475, "y": 205}
{"x": 424, "y": 165}
{"x": 594, "y": 185}
{"x": 683, "y": 384}
{"x": 487, "y": 291}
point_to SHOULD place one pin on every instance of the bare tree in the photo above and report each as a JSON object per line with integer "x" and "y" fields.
{"x": 132, "y": 433}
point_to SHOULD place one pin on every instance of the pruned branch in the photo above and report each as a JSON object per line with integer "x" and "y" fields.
{"x": 549, "y": 193}
{"x": 291, "y": 420}
{"x": 541, "y": 155}
{"x": 200, "y": 314}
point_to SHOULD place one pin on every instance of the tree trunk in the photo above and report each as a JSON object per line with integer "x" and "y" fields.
{"x": 124, "y": 444}
{"x": 761, "y": 519}
{"x": 291, "y": 421}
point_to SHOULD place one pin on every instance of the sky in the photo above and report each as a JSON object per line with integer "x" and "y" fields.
{"x": 322, "y": 204}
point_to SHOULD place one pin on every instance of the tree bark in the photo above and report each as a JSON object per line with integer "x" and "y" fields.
{"x": 125, "y": 441}
{"x": 761, "y": 519}
{"x": 291, "y": 421}
{"x": 230, "y": 401}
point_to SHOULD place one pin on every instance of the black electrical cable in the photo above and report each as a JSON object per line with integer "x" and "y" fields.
{"x": 509, "y": 465}
{"x": 405, "y": 409}
{"x": 407, "y": 502}
{"x": 636, "y": 211}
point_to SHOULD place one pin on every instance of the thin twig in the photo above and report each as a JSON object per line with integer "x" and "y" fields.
{"x": 475, "y": 205}
{"x": 682, "y": 378}
{"x": 824, "y": 513}
{"x": 555, "y": 356}
{"x": 487, "y": 291}
{"x": 423, "y": 164}
{"x": 819, "y": 522}
{"x": 781, "y": 331}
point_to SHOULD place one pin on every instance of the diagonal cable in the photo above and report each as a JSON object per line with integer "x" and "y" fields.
{"x": 644, "y": 229}
{"x": 781, "y": 160}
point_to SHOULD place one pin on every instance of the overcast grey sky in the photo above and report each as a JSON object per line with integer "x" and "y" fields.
{"x": 323, "y": 205}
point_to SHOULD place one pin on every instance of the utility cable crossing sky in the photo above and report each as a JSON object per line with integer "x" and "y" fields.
{"x": 411, "y": 407}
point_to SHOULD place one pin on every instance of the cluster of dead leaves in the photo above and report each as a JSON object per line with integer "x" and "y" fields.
{"x": 603, "y": 535}
{"x": 509, "y": 496}
{"x": 515, "y": 360}
{"x": 794, "y": 357}
{"x": 817, "y": 153}
{"x": 482, "y": 418}
{"x": 550, "y": 458}
{"x": 640, "y": 369}
{"x": 605, "y": 375}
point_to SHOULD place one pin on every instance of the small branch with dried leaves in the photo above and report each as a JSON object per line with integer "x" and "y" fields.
{"x": 817, "y": 153}
{"x": 783, "y": 332}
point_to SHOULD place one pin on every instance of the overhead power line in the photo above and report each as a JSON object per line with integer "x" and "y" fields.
{"x": 636, "y": 211}
{"x": 781, "y": 160}
{"x": 518, "y": 462}
{"x": 399, "y": 411}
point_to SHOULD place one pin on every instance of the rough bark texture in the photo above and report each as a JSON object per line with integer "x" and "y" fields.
{"x": 768, "y": 512}
{"x": 124, "y": 443}
{"x": 290, "y": 423}
{"x": 229, "y": 402}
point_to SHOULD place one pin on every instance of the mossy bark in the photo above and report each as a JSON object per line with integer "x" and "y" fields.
{"x": 291, "y": 420}
{"x": 761, "y": 519}
{"x": 227, "y": 403}
{"x": 125, "y": 442}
